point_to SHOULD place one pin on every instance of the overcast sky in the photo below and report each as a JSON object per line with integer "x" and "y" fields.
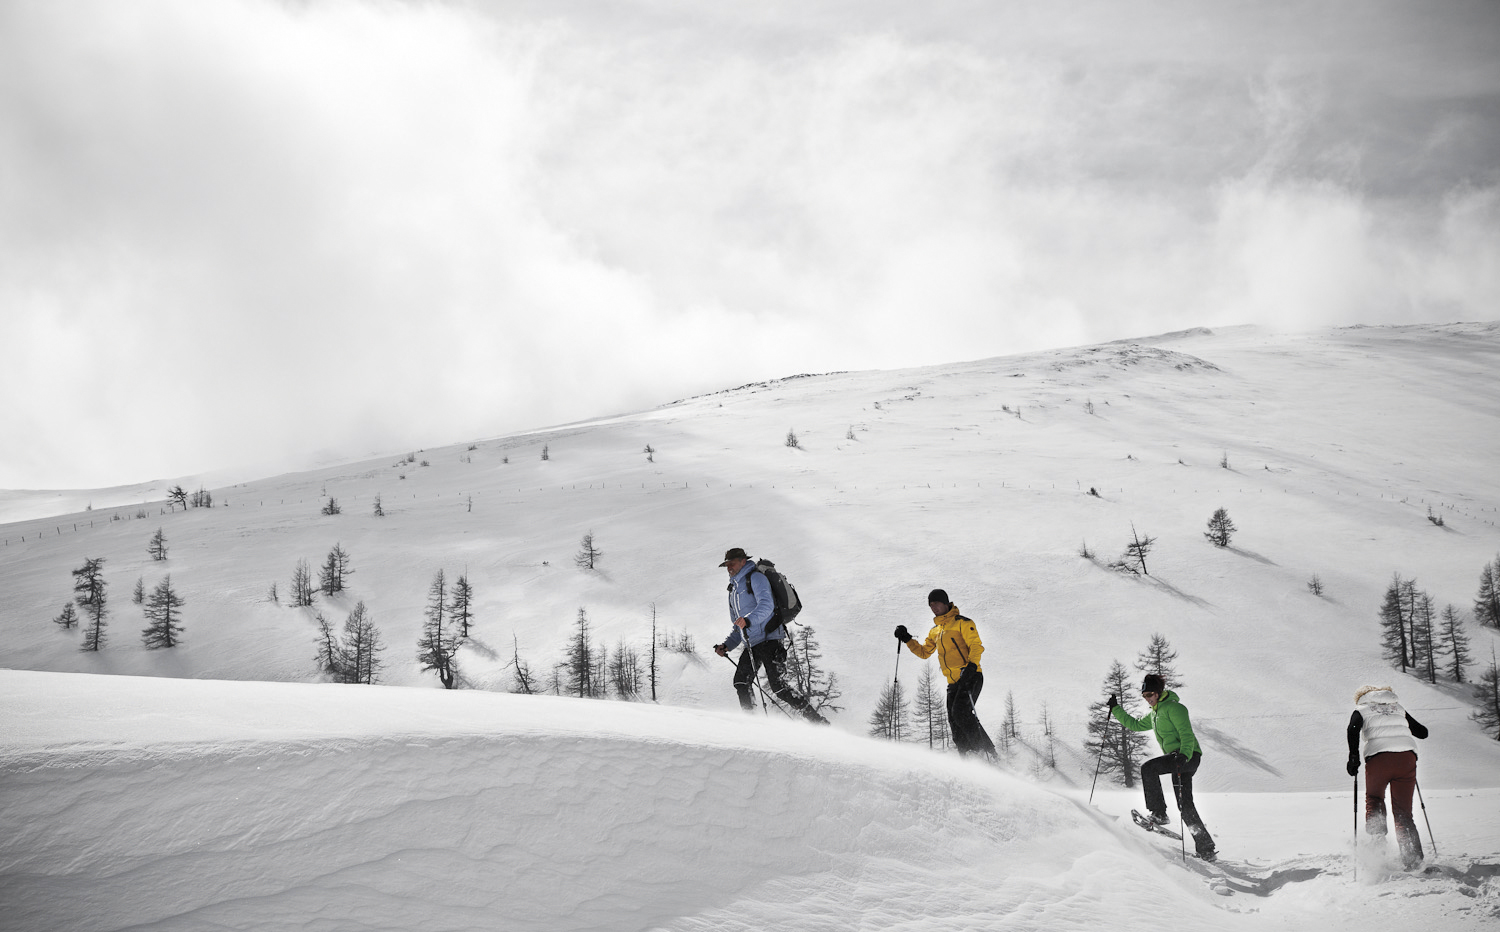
{"x": 240, "y": 232}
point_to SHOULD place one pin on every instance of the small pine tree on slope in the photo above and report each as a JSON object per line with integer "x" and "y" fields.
{"x": 1120, "y": 750}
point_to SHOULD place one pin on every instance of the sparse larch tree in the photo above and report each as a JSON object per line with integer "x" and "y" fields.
{"x": 625, "y": 672}
{"x": 138, "y": 594}
{"x": 1424, "y": 638}
{"x": 1395, "y": 623}
{"x": 378, "y": 511}
{"x": 1220, "y": 528}
{"x": 1487, "y": 601}
{"x": 1487, "y": 691}
{"x": 1120, "y": 750}
{"x": 588, "y": 555}
{"x": 929, "y": 711}
{"x": 178, "y": 498}
{"x": 461, "y": 606}
{"x": 93, "y": 599}
{"x": 890, "y": 718}
{"x": 164, "y": 612}
{"x": 526, "y": 683}
{"x": 804, "y": 668}
{"x": 1315, "y": 585}
{"x": 1158, "y": 658}
{"x": 1134, "y": 558}
{"x": 302, "y": 586}
{"x": 68, "y": 618}
{"x": 1049, "y": 739}
{"x": 582, "y": 663}
{"x": 439, "y": 642}
{"x": 1010, "y": 725}
{"x": 158, "y": 545}
{"x": 546, "y": 452}
{"x": 331, "y": 578}
{"x": 202, "y": 498}
{"x": 361, "y": 647}
{"x": 1455, "y": 643}
{"x": 651, "y": 670}
{"x": 332, "y": 508}
{"x": 792, "y": 441}
{"x": 330, "y": 652}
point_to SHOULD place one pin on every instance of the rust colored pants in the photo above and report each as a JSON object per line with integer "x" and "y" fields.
{"x": 1398, "y": 771}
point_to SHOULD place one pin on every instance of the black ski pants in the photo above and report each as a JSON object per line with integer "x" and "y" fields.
{"x": 1182, "y": 785}
{"x": 968, "y": 735}
{"x": 770, "y": 656}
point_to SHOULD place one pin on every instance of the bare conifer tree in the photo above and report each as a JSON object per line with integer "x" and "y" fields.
{"x": 378, "y": 511}
{"x": 581, "y": 663}
{"x": 93, "y": 599}
{"x": 158, "y": 545}
{"x": 890, "y": 718}
{"x": 929, "y": 711}
{"x": 526, "y": 683}
{"x": 588, "y": 555}
{"x": 302, "y": 587}
{"x": 330, "y": 656}
{"x": 1487, "y": 691}
{"x": 461, "y": 606}
{"x": 164, "y": 612}
{"x": 361, "y": 646}
{"x": 1220, "y": 528}
{"x": 331, "y": 577}
{"x": 1120, "y": 750}
{"x": 68, "y": 618}
{"x": 1455, "y": 643}
{"x": 1158, "y": 658}
{"x": 138, "y": 594}
{"x": 1134, "y": 558}
{"x": 439, "y": 642}
{"x": 1487, "y": 601}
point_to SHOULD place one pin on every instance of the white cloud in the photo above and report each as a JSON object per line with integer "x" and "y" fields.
{"x": 249, "y": 230}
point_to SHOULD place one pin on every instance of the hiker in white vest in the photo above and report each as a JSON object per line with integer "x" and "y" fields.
{"x": 1384, "y": 735}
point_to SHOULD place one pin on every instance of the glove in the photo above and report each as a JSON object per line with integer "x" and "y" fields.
{"x": 720, "y": 650}
{"x": 967, "y": 677}
{"x": 1177, "y": 760}
{"x": 1113, "y": 701}
{"x": 1352, "y": 766}
{"x": 902, "y": 634}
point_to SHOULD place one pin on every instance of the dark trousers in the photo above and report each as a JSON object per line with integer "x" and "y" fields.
{"x": 1182, "y": 785}
{"x": 968, "y": 735}
{"x": 1398, "y": 771}
{"x": 770, "y": 656}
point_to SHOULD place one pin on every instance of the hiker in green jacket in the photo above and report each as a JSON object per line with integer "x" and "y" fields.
{"x": 1181, "y": 756}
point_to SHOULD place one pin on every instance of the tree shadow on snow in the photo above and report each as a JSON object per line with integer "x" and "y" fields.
{"x": 1170, "y": 589}
{"x": 1232, "y": 747}
{"x": 1253, "y": 555}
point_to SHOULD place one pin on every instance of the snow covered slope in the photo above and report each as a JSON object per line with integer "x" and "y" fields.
{"x": 130, "y": 803}
{"x": 150, "y": 801}
{"x": 972, "y": 476}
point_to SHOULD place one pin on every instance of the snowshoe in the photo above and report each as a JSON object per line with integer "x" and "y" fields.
{"x": 1150, "y": 824}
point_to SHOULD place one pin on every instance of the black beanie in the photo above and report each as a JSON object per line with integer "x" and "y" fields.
{"x": 1153, "y": 684}
{"x": 938, "y": 595}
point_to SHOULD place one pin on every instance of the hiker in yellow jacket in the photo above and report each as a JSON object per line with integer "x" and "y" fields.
{"x": 956, "y": 642}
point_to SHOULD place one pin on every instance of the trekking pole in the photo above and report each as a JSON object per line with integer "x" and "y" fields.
{"x": 1100, "y": 761}
{"x": 1356, "y": 828}
{"x": 1424, "y": 816}
{"x": 762, "y": 692}
{"x": 1182, "y": 828}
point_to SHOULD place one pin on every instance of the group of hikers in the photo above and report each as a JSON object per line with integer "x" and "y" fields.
{"x": 1381, "y": 733}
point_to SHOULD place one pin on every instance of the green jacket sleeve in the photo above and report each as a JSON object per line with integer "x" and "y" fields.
{"x": 1129, "y": 721}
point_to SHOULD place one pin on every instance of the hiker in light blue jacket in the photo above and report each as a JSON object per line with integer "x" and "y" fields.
{"x": 752, "y": 609}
